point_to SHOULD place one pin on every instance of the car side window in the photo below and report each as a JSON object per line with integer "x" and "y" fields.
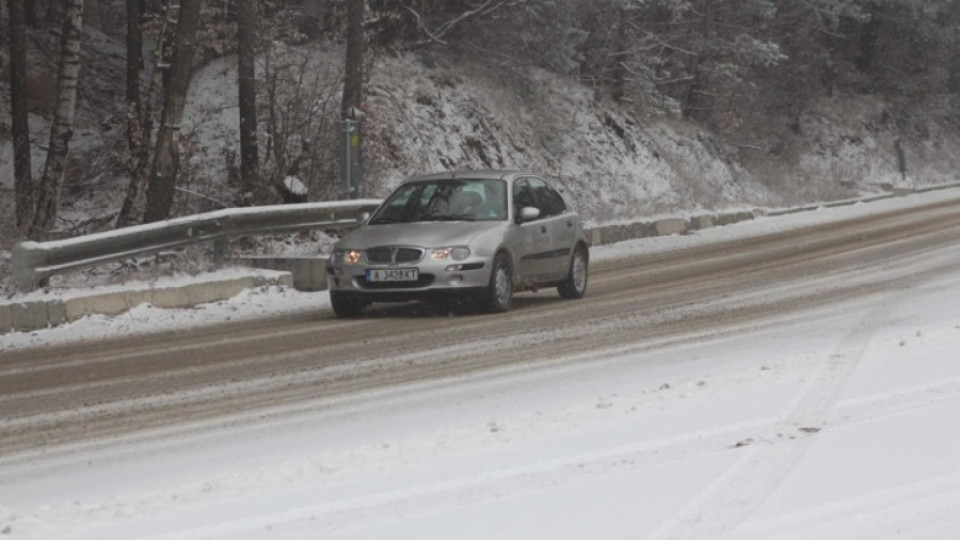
{"x": 523, "y": 196}
{"x": 551, "y": 202}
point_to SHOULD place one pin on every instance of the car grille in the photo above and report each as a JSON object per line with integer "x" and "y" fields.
{"x": 394, "y": 255}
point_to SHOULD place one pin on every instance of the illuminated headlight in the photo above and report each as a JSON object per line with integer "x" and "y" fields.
{"x": 348, "y": 256}
{"x": 456, "y": 253}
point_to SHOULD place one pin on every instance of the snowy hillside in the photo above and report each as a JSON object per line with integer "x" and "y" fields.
{"x": 443, "y": 112}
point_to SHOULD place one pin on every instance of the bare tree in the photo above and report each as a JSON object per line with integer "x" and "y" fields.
{"x": 139, "y": 111}
{"x": 247, "y": 83}
{"x": 18, "y": 106}
{"x": 134, "y": 60}
{"x": 166, "y": 160}
{"x": 62, "y": 130}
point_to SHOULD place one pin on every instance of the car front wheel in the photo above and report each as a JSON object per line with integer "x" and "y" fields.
{"x": 575, "y": 286}
{"x": 499, "y": 293}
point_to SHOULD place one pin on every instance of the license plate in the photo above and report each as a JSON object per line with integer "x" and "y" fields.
{"x": 393, "y": 274}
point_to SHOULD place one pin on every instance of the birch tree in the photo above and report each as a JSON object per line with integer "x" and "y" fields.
{"x": 62, "y": 129}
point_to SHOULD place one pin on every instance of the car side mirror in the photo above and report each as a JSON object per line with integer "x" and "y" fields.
{"x": 363, "y": 217}
{"x": 529, "y": 213}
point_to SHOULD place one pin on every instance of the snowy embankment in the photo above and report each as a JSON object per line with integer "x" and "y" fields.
{"x": 838, "y": 422}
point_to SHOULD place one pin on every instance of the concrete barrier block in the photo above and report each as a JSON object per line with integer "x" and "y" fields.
{"x": 641, "y": 229}
{"x": 215, "y": 291}
{"x": 612, "y": 234}
{"x": 170, "y": 297}
{"x": 29, "y": 316}
{"x": 309, "y": 273}
{"x": 75, "y": 309}
{"x": 284, "y": 279}
{"x": 604, "y": 234}
{"x": 594, "y": 237}
{"x": 737, "y": 217}
{"x": 698, "y": 223}
{"x": 6, "y": 319}
{"x": 137, "y": 297}
{"x": 56, "y": 312}
{"x": 667, "y": 227}
{"x": 113, "y": 303}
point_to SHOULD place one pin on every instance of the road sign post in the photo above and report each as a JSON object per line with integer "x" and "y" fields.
{"x": 351, "y": 167}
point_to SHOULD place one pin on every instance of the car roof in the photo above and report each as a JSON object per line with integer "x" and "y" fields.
{"x": 482, "y": 174}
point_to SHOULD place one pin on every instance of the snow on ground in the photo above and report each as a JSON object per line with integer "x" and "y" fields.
{"x": 838, "y": 423}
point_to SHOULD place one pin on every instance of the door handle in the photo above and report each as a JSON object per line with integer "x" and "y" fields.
{"x": 543, "y": 229}
{"x": 569, "y": 224}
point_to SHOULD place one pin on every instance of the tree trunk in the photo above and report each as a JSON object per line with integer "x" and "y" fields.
{"x": 136, "y": 136}
{"x": 166, "y": 159}
{"x": 62, "y": 130}
{"x": 31, "y": 12}
{"x": 55, "y": 10}
{"x": 22, "y": 168}
{"x": 247, "y": 83}
{"x": 619, "y": 59}
{"x": 353, "y": 81}
{"x": 134, "y": 60}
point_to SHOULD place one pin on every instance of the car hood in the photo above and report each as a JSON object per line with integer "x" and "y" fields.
{"x": 423, "y": 234}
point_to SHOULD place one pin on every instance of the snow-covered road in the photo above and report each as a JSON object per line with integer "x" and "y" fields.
{"x": 810, "y": 388}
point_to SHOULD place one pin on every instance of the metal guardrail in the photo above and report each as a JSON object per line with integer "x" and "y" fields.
{"x": 35, "y": 261}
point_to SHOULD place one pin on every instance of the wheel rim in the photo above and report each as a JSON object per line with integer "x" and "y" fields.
{"x": 579, "y": 271}
{"x": 502, "y": 286}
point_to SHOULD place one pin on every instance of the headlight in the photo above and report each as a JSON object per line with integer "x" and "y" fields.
{"x": 348, "y": 256}
{"x": 458, "y": 253}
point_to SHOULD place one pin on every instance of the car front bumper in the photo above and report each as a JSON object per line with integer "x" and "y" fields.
{"x": 436, "y": 279}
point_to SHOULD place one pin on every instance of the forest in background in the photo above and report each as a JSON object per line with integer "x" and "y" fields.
{"x": 746, "y": 70}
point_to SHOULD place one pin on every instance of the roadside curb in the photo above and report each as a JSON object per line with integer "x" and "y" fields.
{"x": 309, "y": 271}
{"x": 33, "y": 315}
{"x": 611, "y": 234}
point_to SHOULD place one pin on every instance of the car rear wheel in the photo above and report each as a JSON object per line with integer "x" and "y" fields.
{"x": 499, "y": 295}
{"x": 347, "y": 304}
{"x": 575, "y": 286}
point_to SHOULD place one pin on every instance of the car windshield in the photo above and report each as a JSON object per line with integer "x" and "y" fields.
{"x": 445, "y": 200}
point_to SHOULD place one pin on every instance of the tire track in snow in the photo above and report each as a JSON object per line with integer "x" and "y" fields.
{"x": 736, "y": 494}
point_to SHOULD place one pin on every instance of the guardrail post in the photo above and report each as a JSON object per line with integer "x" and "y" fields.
{"x": 26, "y": 256}
{"x": 220, "y": 251}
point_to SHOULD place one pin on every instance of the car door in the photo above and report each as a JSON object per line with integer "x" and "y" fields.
{"x": 533, "y": 237}
{"x": 561, "y": 227}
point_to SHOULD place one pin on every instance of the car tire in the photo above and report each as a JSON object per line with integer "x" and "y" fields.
{"x": 498, "y": 297}
{"x": 575, "y": 285}
{"x": 347, "y": 304}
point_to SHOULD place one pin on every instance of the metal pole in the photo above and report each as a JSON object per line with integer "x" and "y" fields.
{"x": 350, "y": 159}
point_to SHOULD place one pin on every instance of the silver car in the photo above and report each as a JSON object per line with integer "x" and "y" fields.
{"x": 477, "y": 234}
